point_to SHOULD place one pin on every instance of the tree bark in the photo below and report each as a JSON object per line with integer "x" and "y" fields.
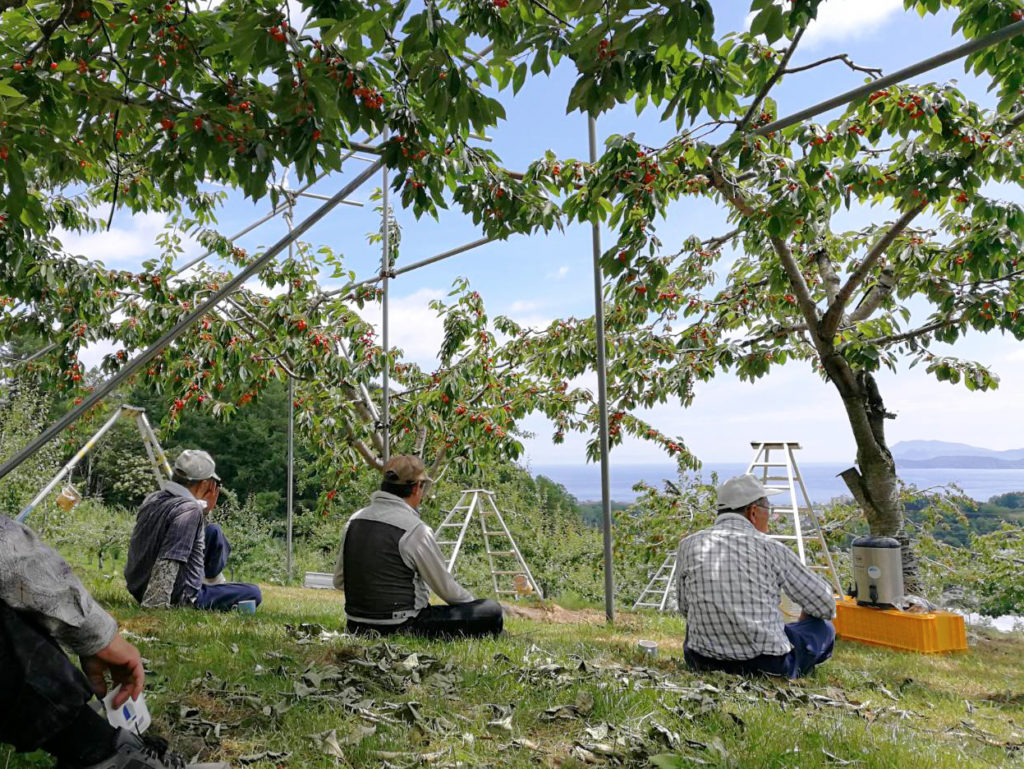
{"x": 873, "y": 482}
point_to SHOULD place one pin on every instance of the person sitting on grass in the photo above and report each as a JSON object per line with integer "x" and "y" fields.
{"x": 729, "y": 580}
{"x": 44, "y": 698}
{"x": 389, "y": 558}
{"x": 174, "y": 554}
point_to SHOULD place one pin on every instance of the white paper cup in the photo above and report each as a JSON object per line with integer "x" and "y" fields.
{"x": 132, "y": 716}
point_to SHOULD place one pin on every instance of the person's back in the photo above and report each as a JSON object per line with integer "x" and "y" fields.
{"x": 379, "y": 584}
{"x": 175, "y": 557}
{"x": 389, "y": 561}
{"x": 729, "y": 582}
{"x": 168, "y": 526}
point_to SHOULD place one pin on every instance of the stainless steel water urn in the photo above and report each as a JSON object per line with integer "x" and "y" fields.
{"x": 877, "y": 572}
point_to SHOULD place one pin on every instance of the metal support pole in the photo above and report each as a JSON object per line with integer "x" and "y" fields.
{"x": 971, "y": 46}
{"x": 602, "y": 396}
{"x": 288, "y": 204}
{"x": 348, "y": 289}
{"x": 290, "y": 495}
{"x": 385, "y": 270}
{"x": 132, "y": 366}
{"x": 69, "y": 466}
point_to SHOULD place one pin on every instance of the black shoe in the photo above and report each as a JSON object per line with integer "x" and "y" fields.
{"x": 135, "y": 752}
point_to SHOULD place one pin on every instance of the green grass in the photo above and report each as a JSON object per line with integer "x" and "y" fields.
{"x": 869, "y": 706}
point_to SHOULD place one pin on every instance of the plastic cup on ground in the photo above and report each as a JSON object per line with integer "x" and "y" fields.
{"x": 246, "y": 607}
{"x": 650, "y": 648}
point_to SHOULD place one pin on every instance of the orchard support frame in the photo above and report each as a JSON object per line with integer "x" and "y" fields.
{"x": 182, "y": 325}
{"x": 921, "y": 67}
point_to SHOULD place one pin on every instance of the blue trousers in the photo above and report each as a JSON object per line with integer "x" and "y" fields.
{"x": 217, "y": 550}
{"x": 222, "y": 597}
{"x": 813, "y": 640}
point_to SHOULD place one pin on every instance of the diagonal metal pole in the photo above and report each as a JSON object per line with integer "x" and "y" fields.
{"x": 232, "y": 285}
{"x": 385, "y": 270}
{"x": 602, "y": 396}
{"x": 933, "y": 62}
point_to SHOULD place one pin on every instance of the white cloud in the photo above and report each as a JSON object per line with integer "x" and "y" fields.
{"x": 841, "y": 20}
{"x": 125, "y": 246}
{"x": 522, "y": 305}
{"x": 558, "y": 274}
{"x": 413, "y": 326}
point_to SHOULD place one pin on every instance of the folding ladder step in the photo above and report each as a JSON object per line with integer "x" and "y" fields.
{"x": 447, "y": 542}
{"x": 501, "y": 552}
{"x": 768, "y": 464}
{"x": 520, "y": 571}
{"x": 783, "y": 536}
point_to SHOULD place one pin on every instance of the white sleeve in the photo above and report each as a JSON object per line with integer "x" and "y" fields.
{"x": 422, "y": 549}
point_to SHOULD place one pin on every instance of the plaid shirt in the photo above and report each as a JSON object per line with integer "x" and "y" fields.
{"x": 729, "y": 581}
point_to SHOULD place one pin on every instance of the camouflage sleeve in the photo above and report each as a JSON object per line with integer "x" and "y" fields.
{"x": 34, "y": 579}
{"x": 161, "y": 584}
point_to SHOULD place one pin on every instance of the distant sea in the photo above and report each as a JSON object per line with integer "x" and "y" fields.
{"x": 823, "y": 485}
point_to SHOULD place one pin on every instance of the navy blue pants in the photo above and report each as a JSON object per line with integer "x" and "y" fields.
{"x": 224, "y": 596}
{"x": 813, "y": 640}
{"x": 217, "y": 550}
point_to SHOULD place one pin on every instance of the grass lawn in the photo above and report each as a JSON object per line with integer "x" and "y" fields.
{"x": 286, "y": 688}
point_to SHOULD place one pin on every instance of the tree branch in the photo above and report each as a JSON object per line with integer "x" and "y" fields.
{"x": 827, "y": 271}
{"x": 804, "y": 300}
{"x": 877, "y": 294}
{"x": 875, "y": 72}
{"x": 834, "y": 315}
{"x": 913, "y": 333}
{"x": 779, "y": 72}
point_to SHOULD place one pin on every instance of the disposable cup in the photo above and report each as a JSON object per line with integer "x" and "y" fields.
{"x": 246, "y": 607}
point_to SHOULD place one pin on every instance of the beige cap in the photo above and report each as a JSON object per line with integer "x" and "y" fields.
{"x": 405, "y": 468}
{"x": 196, "y": 465}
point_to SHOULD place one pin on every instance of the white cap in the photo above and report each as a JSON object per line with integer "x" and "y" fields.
{"x": 196, "y": 465}
{"x": 736, "y": 493}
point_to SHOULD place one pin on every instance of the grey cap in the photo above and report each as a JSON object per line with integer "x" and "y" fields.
{"x": 196, "y": 465}
{"x": 736, "y": 493}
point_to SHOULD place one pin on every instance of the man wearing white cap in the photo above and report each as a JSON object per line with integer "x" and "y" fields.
{"x": 730, "y": 578}
{"x": 173, "y": 550}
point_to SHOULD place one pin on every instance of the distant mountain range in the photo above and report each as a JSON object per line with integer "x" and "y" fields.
{"x": 945, "y": 454}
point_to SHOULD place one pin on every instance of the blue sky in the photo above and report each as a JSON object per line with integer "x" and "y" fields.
{"x": 539, "y": 278}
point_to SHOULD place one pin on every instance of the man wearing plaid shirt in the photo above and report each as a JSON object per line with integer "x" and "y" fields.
{"x": 729, "y": 583}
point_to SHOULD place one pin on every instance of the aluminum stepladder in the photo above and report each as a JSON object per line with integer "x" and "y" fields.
{"x": 660, "y": 592}
{"x": 768, "y": 470}
{"x": 503, "y": 557}
{"x": 157, "y": 458}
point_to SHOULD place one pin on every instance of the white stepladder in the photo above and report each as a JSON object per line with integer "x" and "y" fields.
{"x": 768, "y": 470}
{"x": 503, "y": 557}
{"x": 157, "y": 458}
{"x": 660, "y": 592}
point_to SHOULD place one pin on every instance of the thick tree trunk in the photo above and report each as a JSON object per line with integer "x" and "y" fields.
{"x": 873, "y": 482}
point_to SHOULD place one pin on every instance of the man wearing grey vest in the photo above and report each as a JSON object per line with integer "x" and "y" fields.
{"x": 389, "y": 561}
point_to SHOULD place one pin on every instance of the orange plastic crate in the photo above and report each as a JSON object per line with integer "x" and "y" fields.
{"x": 937, "y": 631}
